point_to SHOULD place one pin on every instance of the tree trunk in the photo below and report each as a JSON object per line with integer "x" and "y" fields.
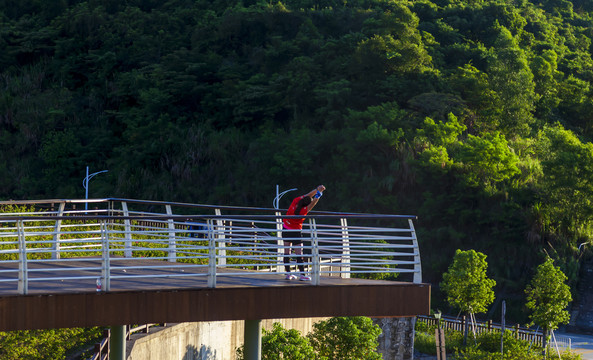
{"x": 545, "y": 342}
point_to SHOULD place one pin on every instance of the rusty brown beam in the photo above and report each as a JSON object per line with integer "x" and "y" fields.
{"x": 66, "y": 310}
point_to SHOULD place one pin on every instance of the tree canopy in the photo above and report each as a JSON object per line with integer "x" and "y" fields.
{"x": 548, "y": 295}
{"x": 466, "y": 283}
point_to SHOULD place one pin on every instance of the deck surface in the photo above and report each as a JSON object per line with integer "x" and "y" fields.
{"x": 145, "y": 278}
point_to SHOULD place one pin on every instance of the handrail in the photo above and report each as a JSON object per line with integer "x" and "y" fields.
{"x": 107, "y": 244}
{"x": 107, "y": 201}
{"x": 101, "y": 349}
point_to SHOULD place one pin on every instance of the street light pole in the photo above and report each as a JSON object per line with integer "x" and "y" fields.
{"x": 85, "y": 184}
{"x": 276, "y": 201}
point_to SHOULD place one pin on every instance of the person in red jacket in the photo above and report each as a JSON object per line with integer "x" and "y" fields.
{"x": 292, "y": 233}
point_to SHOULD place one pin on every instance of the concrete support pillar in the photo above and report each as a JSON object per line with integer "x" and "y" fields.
{"x": 252, "y": 334}
{"x": 396, "y": 341}
{"x": 117, "y": 346}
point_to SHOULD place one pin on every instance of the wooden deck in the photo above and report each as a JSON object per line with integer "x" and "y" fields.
{"x": 158, "y": 299}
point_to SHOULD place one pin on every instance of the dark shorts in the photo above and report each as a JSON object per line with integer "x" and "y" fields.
{"x": 294, "y": 236}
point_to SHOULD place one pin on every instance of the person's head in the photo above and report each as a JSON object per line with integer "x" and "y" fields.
{"x": 304, "y": 202}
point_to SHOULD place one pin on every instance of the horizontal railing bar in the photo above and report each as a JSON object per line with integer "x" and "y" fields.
{"x": 164, "y": 203}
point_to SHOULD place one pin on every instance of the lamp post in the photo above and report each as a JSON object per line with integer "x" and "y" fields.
{"x": 276, "y": 201}
{"x": 85, "y": 184}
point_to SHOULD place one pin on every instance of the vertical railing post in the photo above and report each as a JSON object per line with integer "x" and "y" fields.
{"x": 105, "y": 260}
{"x": 280, "y": 260}
{"x": 316, "y": 263}
{"x": 220, "y": 236}
{"x": 516, "y": 331}
{"x": 345, "y": 263}
{"x": 417, "y": 263}
{"x": 23, "y": 284}
{"x": 172, "y": 249}
{"x": 211, "y": 254}
{"x": 127, "y": 231}
{"x": 57, "y": 233}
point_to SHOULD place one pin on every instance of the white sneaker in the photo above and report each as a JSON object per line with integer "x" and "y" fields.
{"x": 305, "y": 278}
{"x": 290, "y": 277}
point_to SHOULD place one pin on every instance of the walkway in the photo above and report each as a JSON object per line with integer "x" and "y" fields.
{"x": 581, "y": 344}
{"x": 162, "y": 262}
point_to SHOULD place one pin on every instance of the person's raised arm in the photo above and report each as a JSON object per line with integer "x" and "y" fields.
{"x": 315, "y": 195}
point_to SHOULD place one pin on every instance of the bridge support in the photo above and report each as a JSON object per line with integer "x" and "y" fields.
{"x": 117, "y": 347}
{"x": 252, "y": 335}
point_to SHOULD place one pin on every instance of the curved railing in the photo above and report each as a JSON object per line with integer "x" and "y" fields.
{"x": 119, "y": 237}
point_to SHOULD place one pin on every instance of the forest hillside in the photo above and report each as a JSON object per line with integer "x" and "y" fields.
{"x": 474, "y": 115}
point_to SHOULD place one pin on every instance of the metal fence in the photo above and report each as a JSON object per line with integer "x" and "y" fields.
{"x": 106, "y": 240}
{"x": 458, "y": 324}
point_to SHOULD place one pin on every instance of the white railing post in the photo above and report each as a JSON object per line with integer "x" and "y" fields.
{"x": 315, "y": 263}
{"x": 172, "y": 251}
{"x": 211, "y": 254}
{"x": 57, "y": 233}
{"x": 220, "y": 236}
{"x": 417, "y": 263}
{"x": 345, "y": 262}
{"x": 105, "y": 260}
{"x": 280, "y": 261}
{"x": 23, "y": 283}
{"x": 127, "y": 231}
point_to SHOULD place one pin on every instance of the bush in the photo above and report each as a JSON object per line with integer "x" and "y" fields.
{"x": 280, "y": 343}
{"x": 45, "y": 344}
{"x": 346, "y": 338}
{"x": 425, "y": 343}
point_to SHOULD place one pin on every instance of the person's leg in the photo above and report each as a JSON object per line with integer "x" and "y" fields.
{"x": 298, "y": 250}
{"x": 307, "y": 251}
{"x": 287, "y": 249}
{"x": 301, "y": 260}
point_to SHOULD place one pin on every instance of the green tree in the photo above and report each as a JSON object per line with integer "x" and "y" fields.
{"x": 487, "y": 159}
{"x": 346, "y": 338}
{"x": 512, "y": 80}
{"x": 547, "y": 298}
{"x": 339, "y": 338}
{"x": 280, "y": 343}
{"x": 466, "y": 284}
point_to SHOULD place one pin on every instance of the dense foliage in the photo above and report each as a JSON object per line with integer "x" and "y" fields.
{"x": 48, "y": 344}
{"x": 473, "y": 115}
{"x": 280, "y": 343}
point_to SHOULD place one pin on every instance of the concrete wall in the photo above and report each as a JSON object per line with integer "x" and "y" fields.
{"x": 202, "y": 340}
{"x": 219, "y": 340}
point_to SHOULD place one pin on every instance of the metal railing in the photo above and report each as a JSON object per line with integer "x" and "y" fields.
{"x": 480, "y": 327}
{"x": 117, "y": 237}
{"x": 101, "y": 348}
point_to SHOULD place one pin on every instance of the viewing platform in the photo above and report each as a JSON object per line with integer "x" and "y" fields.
{"x": 133, "y": 262}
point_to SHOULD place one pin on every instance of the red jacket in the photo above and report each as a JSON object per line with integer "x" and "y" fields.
{"x": 295, "y": 223}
